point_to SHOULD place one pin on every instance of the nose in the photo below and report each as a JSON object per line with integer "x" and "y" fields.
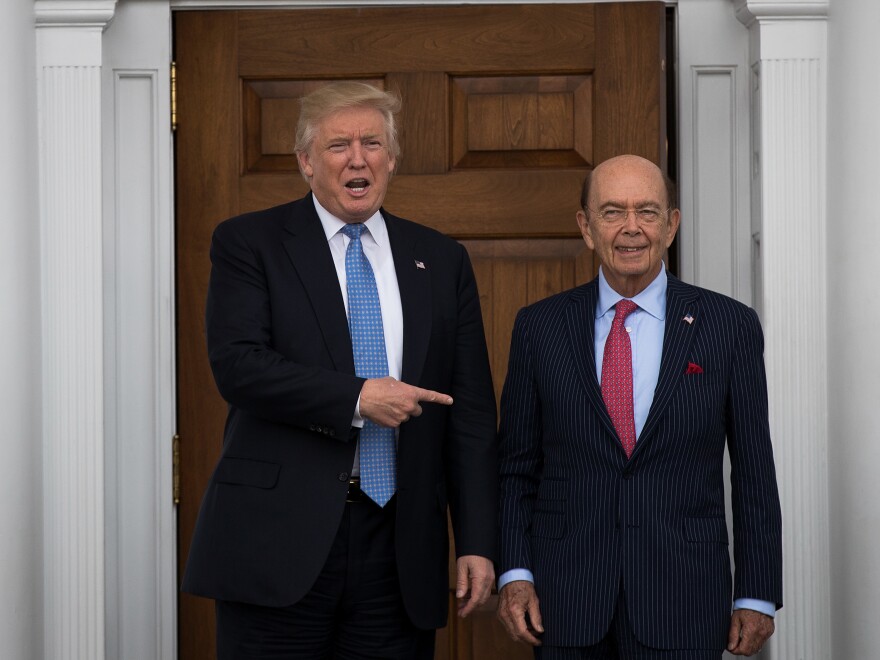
{"x": 631, "y": 222}
{"x": 356, "y": 158}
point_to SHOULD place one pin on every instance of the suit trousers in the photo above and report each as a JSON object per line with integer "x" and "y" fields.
{"x": 354, "y": 611}
{"x": 621, "y": 644}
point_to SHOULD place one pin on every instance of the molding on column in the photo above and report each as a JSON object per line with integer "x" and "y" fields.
{"x": 69, "y": 101}
{"x": 789, "y": 47}
{"x": 74, "y": 13}
{"x": 749, "y": 11}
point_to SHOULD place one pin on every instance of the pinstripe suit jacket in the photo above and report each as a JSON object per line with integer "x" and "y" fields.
{"x": 588, "y": 522}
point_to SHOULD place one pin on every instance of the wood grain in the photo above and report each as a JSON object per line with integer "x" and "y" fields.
{"x": 504, "y": 110}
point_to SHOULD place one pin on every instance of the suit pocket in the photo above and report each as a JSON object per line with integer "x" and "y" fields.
{"x": 705, "y": 530}
{"x": 247, "y": 472}
{"x": 548, "y": 519}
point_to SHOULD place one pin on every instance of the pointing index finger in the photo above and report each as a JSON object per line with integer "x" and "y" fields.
{"x": 430, "y": 396}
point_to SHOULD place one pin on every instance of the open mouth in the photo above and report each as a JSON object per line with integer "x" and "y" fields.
{"x": 357, "y": 185}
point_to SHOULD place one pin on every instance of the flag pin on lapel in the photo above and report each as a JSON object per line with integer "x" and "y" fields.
{"x": 420, "y": 264}
{"x": 688, "y": 319}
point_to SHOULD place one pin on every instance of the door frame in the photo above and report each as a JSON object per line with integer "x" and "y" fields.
{"x": 139, "y": 288}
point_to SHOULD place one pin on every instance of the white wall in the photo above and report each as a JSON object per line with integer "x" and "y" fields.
{"x": 854, "y": 326}
{"x": 21, "y": 577}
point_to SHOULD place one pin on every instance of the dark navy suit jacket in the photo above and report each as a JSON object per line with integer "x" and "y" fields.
{"x": 280, "y": 351}
{"x": 588, "y": 522}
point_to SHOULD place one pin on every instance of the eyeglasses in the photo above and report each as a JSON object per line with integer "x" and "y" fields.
{"x": 646, "y": 215}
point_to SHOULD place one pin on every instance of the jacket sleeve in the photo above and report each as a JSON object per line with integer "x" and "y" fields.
{"x": 250, "y": 373}
{"x": 757, "y": 519}
{"x": 472, "y": 450}
{"x": 520, "y": 450}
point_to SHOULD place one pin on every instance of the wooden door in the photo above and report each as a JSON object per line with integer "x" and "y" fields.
{"x": 504, "y": 110}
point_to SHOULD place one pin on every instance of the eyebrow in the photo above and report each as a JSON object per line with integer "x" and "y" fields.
{"x": 347, "y": 138}
{"x": 638, "y": 205}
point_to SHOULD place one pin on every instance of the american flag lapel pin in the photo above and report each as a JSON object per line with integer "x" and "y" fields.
{"x": 420, "y": 264}
{"x": 688, "y": 319}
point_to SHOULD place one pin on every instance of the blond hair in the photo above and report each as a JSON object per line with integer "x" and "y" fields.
{"x": 332, "y": 97}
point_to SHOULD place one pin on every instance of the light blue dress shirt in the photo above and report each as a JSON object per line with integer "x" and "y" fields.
{"x": 645, "y": 326}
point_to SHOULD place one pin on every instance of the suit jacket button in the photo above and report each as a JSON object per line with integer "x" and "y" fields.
{"x": 342, "y": 476}
{"x": 627, "y": 475}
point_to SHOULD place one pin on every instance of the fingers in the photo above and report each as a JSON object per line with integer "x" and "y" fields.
{"x": 519, "y": 612}
{"x": 734, "y": 633}
{"x": 431, "y": 396}
{"x": 390, "y": 402}
{"x": 473, "y": 586}
{"x": 749, "y": 630}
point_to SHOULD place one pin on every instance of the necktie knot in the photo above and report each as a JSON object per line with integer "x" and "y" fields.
{"x": 623, "y": 309}
{"x": 354, "y": 231}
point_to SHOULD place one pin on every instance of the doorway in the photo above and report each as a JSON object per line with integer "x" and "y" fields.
{"x": 505, "y": 108}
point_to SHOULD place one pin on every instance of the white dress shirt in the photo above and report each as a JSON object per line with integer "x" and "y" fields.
{"x": 377, "y": 249}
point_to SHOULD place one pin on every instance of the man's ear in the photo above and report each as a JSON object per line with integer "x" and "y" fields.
{"x": 584, "y": 225}
{"x": 304, "y": 164}
{"x": 674, "y": 222}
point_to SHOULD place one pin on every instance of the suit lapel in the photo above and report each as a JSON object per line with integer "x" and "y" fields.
{"x": 414, "y": 282}
{"x": 581, "y": 321}
{"x": 682, "y": 301}
{"x": 307, "y": 248}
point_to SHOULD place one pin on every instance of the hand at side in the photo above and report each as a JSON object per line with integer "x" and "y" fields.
{"x": 519, "y": 612}
{"x": 748, "y": 631}
{"x": 473, "y": 586}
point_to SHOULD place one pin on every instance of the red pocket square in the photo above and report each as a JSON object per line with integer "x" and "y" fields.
{"x": 693, "y": 368}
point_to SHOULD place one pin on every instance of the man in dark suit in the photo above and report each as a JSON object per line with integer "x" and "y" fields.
{"x": 323, "y": 534}
{"x": 619, "y": 399}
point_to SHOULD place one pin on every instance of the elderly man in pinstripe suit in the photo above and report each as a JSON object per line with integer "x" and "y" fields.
{"x": 614, "y": 538}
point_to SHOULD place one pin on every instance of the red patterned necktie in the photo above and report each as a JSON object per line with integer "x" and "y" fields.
{"x": 617, "y": 377}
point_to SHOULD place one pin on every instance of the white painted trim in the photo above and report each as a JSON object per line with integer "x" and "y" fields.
{"x": 714, "y": 140}
{"x": 313, "y": 4}
{"x": 714, "y": 171}
{"x": 140, "y": 327}
{"x": 749, "y": 11}
{"x": 790, "y": 71}
{"x": 74, "y": 13}
{"x": 69, "y": 101}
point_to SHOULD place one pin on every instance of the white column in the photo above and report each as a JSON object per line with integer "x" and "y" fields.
{"x": 69, "y": 95}
{"x": 21, "y": 575}
{"x": 854, "y": 318}
{"x": 789, "y": 56}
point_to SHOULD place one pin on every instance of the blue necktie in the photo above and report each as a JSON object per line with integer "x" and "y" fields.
{"x": 377, "y": 445}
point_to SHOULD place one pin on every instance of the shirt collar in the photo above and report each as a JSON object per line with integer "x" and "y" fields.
{"x": 652, "y": 299}
{"x": 332, "y": 225}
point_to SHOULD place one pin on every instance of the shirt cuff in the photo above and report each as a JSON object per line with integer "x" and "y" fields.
{"x": 762, "y": 606}
{"x": 513, "y": 575}
{"x": 357, "y": 420}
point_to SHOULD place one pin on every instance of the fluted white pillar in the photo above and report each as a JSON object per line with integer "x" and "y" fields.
{"x": 69, "y": 97}
{"x": 789, "y": 98}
